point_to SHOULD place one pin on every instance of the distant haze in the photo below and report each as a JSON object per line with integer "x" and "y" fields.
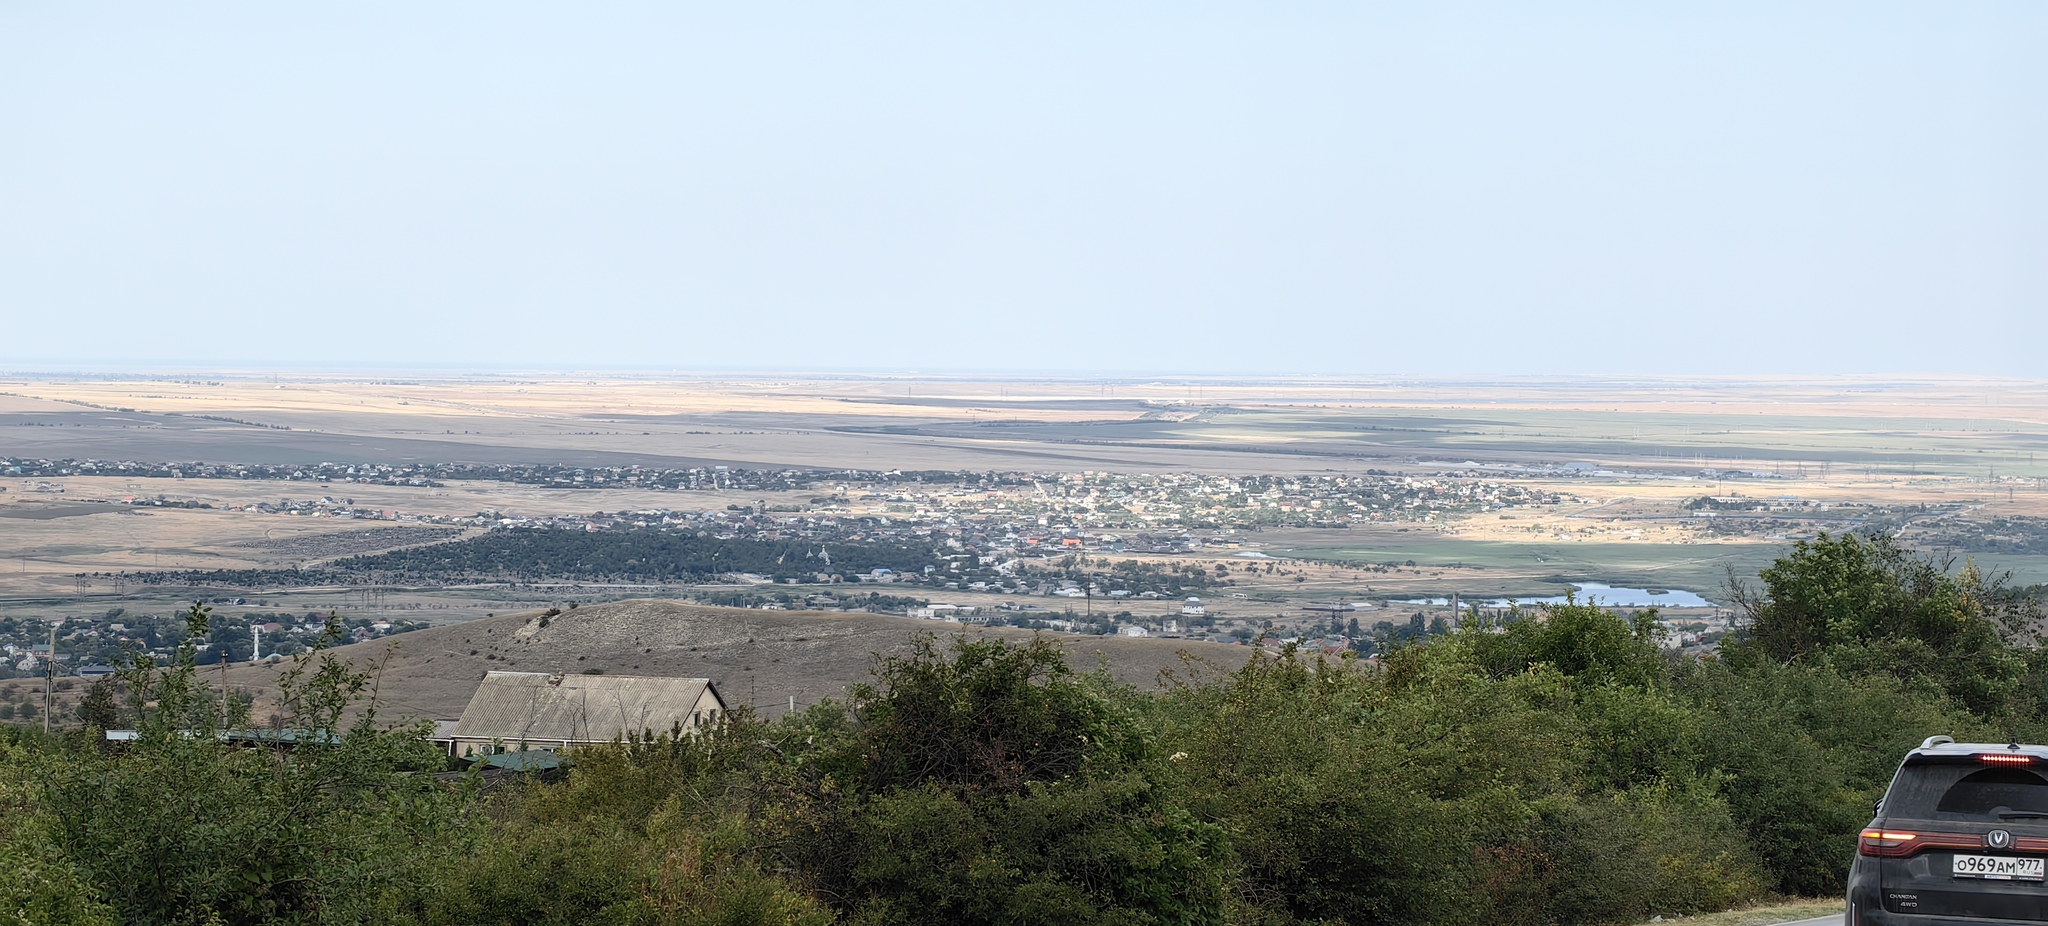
{"x": 1343, "y": 188}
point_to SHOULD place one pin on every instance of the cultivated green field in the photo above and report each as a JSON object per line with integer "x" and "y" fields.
{"x": 1538, "y": 569}
{"x": 2026, "y": 570}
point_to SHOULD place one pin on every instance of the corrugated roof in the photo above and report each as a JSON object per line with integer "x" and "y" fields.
{"x": 516, "y": 707}
{"x": 531, "y": 760}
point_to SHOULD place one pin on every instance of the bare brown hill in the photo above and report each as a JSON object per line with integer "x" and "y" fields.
{"x": 766, "y": 657}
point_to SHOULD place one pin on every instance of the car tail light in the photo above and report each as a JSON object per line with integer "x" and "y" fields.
{"x": 2004, "y": 758}
{"x": 1888, "y": 843}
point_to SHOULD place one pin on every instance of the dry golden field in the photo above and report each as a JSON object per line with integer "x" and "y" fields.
{"x": 1956, "y": 425}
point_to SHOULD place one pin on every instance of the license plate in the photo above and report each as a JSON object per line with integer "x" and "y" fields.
{"x": 1998, "y": 867}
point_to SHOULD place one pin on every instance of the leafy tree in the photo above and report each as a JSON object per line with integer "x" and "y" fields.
{"x": 1278, "y": 757}
{"x": 1451, "y": 787}
{"x": 1870, "y": 605}
{"x": 319, "y": 818}
{"x": 651, "y": 830}
{"x": 39, "y": 886}
{"x": 1801, "y": 752}
{"x": 1580, "y": 640}
{"x": 100, "y": 709}
{"x": 988, "y": 783}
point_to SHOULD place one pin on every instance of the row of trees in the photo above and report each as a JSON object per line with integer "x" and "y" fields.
{"x": 543, "y": 554}
{"x": 1552, "y": 771}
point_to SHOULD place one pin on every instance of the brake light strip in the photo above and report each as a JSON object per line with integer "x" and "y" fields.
{"x": 1889, "y": 843}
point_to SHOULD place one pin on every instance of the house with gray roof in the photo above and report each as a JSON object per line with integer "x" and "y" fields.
{"x": 513, "y": 711}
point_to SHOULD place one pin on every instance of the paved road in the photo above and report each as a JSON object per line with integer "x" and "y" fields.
{"x": 1832, "y": 919}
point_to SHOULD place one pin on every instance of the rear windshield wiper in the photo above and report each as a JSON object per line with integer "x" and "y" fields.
{"x": 2023, "y": 815}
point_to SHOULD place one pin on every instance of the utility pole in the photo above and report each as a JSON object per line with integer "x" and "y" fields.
{"x": 50, "y": 677}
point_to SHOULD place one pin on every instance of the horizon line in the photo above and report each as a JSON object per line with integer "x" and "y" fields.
{"x": 111, "y": 369}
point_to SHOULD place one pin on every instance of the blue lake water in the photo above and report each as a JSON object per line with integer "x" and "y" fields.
{"x": 1593, "y": 593}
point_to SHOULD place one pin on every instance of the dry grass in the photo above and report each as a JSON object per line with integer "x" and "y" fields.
{"x": 759, "y": 657}
{"x": 1765, "y": 915}
{"x": 762, "y": 657}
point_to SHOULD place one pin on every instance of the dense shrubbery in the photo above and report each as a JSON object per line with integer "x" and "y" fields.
{"x": 1549, "y": 771}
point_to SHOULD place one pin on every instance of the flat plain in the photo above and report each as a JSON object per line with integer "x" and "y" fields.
{"x": 1954, "y": 425}
{"x": 1628, "y": 456}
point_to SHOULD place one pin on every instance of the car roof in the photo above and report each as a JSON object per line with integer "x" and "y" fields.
{"x": 1941, "y": 748}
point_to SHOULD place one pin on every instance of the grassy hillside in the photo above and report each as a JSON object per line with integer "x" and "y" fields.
{"x": 763, "y": 656}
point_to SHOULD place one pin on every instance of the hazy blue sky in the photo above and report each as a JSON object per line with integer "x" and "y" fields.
{"x": 1344, "y": 188}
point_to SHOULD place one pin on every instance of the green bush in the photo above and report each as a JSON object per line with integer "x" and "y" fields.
{"x": 1558, "y": 769}
{"x": 1465, "y": 783}
{"x": 202, "y": 819}
{"x": 39, "y": 885}
{"x": 987, "y": 783}
{"x": 603, "y": 872}
{"x": 1874, "y": 607}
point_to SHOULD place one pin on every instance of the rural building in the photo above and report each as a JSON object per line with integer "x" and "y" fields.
{"x": 941, "y": 612}
{"x": 513, "y": 711}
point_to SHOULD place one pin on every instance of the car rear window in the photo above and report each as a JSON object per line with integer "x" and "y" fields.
{"x": 1965, "y": 792}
